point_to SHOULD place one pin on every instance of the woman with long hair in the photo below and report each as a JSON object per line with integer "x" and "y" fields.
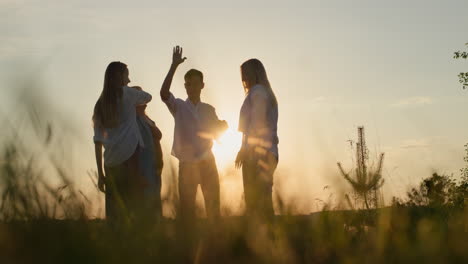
{"x": 258, "y": 155}
{"x": 116, "y": 129}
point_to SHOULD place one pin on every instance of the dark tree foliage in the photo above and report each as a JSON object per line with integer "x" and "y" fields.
{"x": 462, "y": 76}
{"x": 439, "y": 191}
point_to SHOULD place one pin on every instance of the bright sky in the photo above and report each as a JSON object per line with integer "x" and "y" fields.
{"x": 334, "y": 65}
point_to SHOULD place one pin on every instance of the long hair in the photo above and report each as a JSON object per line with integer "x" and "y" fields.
{"x": 253, "y": 72}
{"x": 106, "y": 112}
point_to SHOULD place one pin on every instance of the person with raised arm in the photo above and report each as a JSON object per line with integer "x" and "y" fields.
{"x": 196, "y": 125}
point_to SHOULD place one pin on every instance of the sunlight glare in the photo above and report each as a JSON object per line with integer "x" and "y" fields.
{"x": 226, "y": 147}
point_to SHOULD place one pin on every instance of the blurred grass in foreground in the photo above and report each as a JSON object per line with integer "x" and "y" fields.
{"x": 46, "y": 220}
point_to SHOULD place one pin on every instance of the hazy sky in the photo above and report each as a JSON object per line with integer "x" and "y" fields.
{"x": 334, "y": 65}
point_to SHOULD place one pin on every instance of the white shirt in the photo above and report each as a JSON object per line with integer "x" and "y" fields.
{"x": 258, "y": 120}
{"x": 195, "y": 127}
{"x": 120, "y": 142}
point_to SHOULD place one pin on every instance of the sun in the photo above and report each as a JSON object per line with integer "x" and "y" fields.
{"x": 226, "y": 147}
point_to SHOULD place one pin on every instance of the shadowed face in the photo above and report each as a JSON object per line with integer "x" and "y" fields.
{"x": 248, "y": 80}
{"x": 193, "y": 86}
{"x": 125, "y": 78}
{"x": 245, "y": 82}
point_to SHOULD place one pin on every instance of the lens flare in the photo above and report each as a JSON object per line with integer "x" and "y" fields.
{"x": 226, "y": 147}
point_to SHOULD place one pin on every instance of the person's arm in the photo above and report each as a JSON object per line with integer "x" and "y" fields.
{"x": 258, "y": 126}
{"x": 138, "y": 96}
{"x": 158, "y": 157}
{"x": 177, "y": 59}
{"x": 241, "y": 155}
{"x": 101, "y": 178}
{"x": 157, "y": 134}
{"x": 217, "y": 127}
{"x": 222, "y": 126}
{"x": 243, "y": 127}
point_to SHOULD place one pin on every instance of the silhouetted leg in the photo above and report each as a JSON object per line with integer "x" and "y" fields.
{"x": 258, "y": 184}
{"x": 135, "y": 185}
{"x": 111, "y": 196}
{"x": 188, "y": 183}
{"x": 265, "y": 168}
{"x": 116, "y": 193}
{"x": 248, "y": 176}
{"x": 210, "y": 187}
{"x": 157, "y": 198}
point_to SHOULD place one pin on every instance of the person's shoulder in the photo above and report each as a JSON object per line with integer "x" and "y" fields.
{"x": 179, "y": 100}
{"x": 208, "y": 106}
{"x": 128, "y": 91}
{"x": 172, "y": 100}
{"x": 172, "y": 97}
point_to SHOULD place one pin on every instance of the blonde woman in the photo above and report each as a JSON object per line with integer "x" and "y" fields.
{"x": 259, "y": 154}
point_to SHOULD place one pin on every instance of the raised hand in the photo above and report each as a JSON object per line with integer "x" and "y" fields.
{"x": 177, "y": 56}
{"x": 176, "y": 60}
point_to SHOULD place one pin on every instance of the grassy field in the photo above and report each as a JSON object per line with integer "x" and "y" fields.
{"x": 430, "y": 225}
{"x": 388, "y": 235}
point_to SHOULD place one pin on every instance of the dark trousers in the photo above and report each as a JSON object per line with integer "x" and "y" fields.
{"x": 257, "y": 173}
{"x": 123, "y": 189}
